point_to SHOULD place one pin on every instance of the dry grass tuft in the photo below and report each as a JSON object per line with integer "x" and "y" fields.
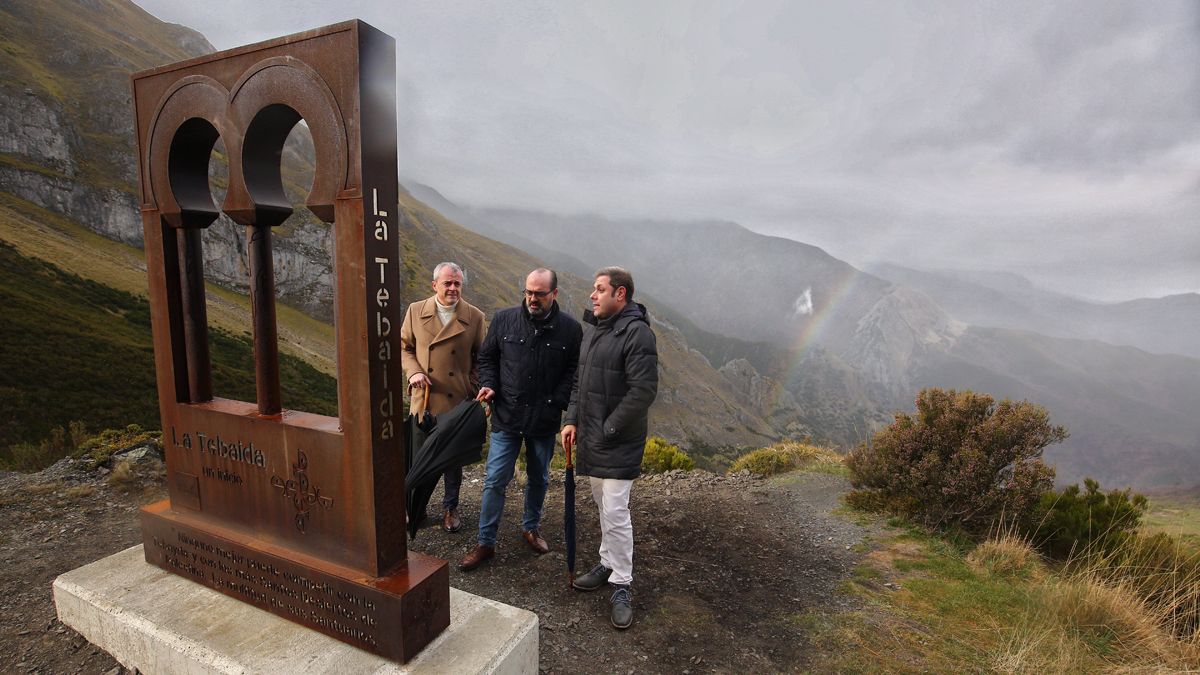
{"x": 123, "y": 476}
{"x": 1130, "y": 631}
{"x": 786, "y": 456}
{"x": 1008, "y": 556}
{"x": 42, "y": 488}
{"x": 81, "y": 491}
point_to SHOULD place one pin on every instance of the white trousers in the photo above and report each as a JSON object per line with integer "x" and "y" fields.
{"x": 616, "y": 527}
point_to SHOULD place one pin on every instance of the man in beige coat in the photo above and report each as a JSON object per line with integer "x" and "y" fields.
{"x": 441, "y": 337}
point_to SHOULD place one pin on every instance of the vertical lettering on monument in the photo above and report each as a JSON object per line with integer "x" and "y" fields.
{"x": 300, "y": 491}
{"x": 383, "y": 328}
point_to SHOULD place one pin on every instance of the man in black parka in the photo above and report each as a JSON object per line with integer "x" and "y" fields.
{"x": 616, "y": 382}
{"x": 526, "y": 369}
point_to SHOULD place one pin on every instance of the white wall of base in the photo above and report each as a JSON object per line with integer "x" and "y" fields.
{"x": 158, "y": 622}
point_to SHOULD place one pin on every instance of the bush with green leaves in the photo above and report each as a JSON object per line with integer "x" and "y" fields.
{"x": 962, "y": 461}
{"x": 661, "y": 456}
{"x": 1074, "y": 521}
{"x": 100, "y": 448}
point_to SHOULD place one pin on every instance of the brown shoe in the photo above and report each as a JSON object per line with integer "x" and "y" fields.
{"x": 476, "y": 557}
{"x": 450, "y": 521}
{"x": 535, "y": 541}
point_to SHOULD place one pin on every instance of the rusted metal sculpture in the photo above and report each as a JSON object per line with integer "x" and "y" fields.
{"x": 297, "y": 513}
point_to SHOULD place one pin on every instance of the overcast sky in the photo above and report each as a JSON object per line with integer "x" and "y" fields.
{"x": 1056, "y": 140}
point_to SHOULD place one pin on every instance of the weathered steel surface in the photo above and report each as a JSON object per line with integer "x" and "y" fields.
{"x": 338, "y": 601}
{"x": 322, "y": 492}
{"x": 262, "y": 309}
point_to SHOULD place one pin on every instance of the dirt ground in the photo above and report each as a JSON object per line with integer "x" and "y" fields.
{"x": 726, "y": 568}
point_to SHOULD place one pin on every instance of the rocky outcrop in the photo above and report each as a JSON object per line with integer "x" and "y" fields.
{"x": 303, "y": 268}
{"x": 762, "y": 392}
{"x": 69, "y": 148}
{"x": 33, "y": 129}
{"x": 898, "y": 330}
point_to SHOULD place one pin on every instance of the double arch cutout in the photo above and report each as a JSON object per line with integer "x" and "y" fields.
{"x": 254, "y": 119}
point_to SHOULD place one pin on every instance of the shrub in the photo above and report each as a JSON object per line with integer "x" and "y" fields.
{"x": 1068, "y": 521}
{"x": 662, "y": 456}
{"x": 961, "y": 461}
{"x": 37, "y": 456}
{"x": 783, "y": 457}
{"x": 28, "y": 457}
{"x": 764, "y": 462}
{"x": 100, "y": 448}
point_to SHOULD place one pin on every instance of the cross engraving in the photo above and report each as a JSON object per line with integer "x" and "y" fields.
{"x": 298, "y": 490}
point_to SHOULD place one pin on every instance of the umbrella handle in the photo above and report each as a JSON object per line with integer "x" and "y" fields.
{"x": 428, "y": 389}
{"x": 567, "y": 450}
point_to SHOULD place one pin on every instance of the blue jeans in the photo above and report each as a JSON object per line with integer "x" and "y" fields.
{"x": 501, "y": 463}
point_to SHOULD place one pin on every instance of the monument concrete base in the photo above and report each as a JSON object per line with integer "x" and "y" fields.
{"x": 158, "y": 622}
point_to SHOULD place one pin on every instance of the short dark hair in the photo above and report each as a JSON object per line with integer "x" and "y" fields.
{"x": 553, "y": 276}
{"x": 618, "y": 277}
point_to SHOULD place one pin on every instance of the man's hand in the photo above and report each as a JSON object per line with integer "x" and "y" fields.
{"x": 485, "y": 394}
{"x": 419, "y": 381}
{"x": 568, "y": 437}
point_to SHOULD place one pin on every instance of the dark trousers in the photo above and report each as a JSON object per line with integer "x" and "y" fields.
{"x": 453, "y": 482}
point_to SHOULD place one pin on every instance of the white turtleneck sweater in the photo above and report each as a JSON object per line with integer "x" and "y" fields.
{"x": 445, "y": 314}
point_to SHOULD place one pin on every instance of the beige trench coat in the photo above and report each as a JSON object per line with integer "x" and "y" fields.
{"x": 448, "y": 354}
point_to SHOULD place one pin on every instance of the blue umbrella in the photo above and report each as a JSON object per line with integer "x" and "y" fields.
{"x": 569, "y": 514}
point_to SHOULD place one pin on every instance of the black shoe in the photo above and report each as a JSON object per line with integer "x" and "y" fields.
{"x": 592, "y": 580}
{"x": 622, "y": 610}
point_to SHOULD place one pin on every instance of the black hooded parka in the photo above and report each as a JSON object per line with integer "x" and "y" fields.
{"x": 616, "y": 382}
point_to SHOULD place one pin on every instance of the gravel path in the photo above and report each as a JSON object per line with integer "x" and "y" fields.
{"x": 727, "y": 568}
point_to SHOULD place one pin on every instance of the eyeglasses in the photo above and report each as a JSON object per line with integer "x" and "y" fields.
{"x": 536, "y": 294}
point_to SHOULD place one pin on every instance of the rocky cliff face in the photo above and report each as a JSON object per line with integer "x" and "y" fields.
{"x": 33, "y": 129}
{"x": 67, "y": 145}
{"x": 891, "y": 338}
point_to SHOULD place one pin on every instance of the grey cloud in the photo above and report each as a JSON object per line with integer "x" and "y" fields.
{"x": 1003, "y": 135}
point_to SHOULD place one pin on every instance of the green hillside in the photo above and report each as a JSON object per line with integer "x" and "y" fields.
{"x": 73, "y": 349}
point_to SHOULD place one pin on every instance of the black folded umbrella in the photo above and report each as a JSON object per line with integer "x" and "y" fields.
{"x": 456, "y": 440}
{"x": 417, "y": 428}
{"x": 569, "y": 514}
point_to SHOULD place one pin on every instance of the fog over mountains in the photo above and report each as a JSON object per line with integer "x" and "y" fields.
{"x": 1130, "y": 411}
{"x": 762, "y": 337}
{"x": 1169, "y": 325}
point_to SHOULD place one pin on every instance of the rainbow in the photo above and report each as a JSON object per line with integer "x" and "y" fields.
{"x": 824, "y": 305}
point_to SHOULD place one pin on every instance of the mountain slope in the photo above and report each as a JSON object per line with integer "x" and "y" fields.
{"x": 1168, "y": 325}
{"x": 1131, "y": 413}
{"x": 695, "y": 402}
{"x": 67, "y": 145}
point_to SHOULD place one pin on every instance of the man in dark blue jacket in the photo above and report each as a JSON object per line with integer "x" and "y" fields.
{"x": 526, "y": 369}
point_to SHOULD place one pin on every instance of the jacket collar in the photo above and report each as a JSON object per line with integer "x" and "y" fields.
{"x": 547, "y": 322}
{"x": 634, "y": 311}
{"x": 433, "y": 325}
